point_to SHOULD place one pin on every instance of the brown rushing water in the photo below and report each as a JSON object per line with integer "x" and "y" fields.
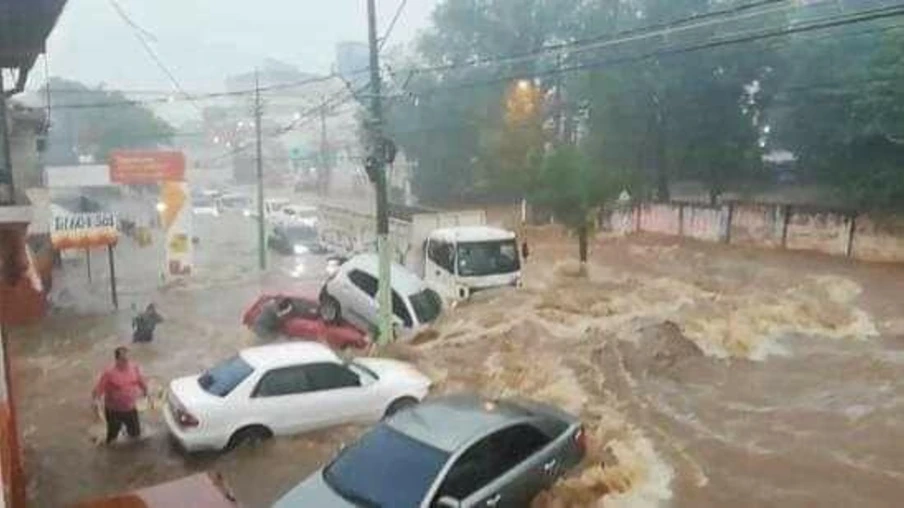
{"x": 708, "y": 377}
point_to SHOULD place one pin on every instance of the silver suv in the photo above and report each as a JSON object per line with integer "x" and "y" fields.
{"x": 351, "y": 294}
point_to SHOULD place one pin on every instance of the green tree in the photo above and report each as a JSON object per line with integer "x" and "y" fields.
{"x": 94, "y": 121}
{"x": 573, "y": 190}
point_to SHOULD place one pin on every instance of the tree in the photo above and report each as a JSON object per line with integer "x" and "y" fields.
{"x": 570, "y": 187}
{"x": 94, "y": 121}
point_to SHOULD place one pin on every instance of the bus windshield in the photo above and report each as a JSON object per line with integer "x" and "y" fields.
{"x": 487, "y": 258}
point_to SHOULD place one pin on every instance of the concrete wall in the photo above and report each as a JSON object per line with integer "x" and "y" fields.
{"x": 879, "y": 240}
{"x": 758, "y": 225}
{"x": 776, "y": 226}
{"x": 818, "y": 231}
{"x": 703, "y": 223}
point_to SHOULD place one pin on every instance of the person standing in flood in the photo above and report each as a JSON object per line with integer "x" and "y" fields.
{"x": 143, "y": 324}
{"x": 118, "y": 389}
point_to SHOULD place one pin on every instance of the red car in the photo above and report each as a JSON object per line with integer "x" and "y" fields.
{"x": 305, "y": 322}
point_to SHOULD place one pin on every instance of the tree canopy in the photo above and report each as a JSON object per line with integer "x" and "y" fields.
{"x": 94, "y": 121}
{"x": 655, "y": 92}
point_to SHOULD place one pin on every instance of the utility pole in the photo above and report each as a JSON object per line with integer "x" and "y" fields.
{"x": 377, "y": 172}
{"x": 261, "y": 220}
{"x": 323, "y": 176}
{"x": 7, "y": 196}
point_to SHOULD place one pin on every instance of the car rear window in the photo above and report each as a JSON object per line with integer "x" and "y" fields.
{"x": 223, "y": 378}
{"x": 385, "y": 468}
{"x": 427, "y": 305}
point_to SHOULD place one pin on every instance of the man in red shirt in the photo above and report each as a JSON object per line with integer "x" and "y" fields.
{"x": 120, "y": 386}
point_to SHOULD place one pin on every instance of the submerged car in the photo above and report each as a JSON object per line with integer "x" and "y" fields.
{"x": 304, "y": 322}
{"x": 295, "y": 239}
{"x": 350, "y": 293}
{"x": 453, "y": 452}
{"x": 284, "y": 389}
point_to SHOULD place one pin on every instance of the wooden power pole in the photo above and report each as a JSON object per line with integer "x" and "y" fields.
{"x": 261, "y": 220}
{"x": 377, "y": 172}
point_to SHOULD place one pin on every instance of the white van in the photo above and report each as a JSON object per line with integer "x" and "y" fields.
{"x": 456, "y": 253}
{"x": 272, "y": 206}
{"x": 461, "y": 261}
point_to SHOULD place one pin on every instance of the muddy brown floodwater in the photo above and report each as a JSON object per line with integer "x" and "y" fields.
{"x": 707, "y": 376}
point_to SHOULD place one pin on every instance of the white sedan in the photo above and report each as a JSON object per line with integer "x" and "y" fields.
{"x": 284, "y": 389}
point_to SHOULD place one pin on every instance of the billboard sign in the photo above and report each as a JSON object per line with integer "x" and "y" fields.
{"x": 176, "y": 217}
{"x": 83, "y": 230}
{"x": 145, "y": 167}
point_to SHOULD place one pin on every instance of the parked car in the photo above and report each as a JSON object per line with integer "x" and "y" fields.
{"x": 452, "y": 452}
{"x": 205, "y": 205}
{"x": 350, "y": 293}
{"x": 305, "y": 322}
{"x": 295, "y": 239}
{"x": 234, "y": 202}
{"x": 202, "y": 490}
{"x": 283, "y": 389}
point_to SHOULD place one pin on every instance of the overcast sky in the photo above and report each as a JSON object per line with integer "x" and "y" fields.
{"x": 203, "y": 41}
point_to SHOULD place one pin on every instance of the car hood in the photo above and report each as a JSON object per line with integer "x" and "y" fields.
{"x": 313, "y": 492}
{"x": 395, "y": 370}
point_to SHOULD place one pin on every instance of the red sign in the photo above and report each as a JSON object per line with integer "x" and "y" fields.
{"x": 133, "y": 167}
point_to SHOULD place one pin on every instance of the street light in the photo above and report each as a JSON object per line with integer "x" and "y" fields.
{"x": 524, "y": 85}
{"x": 161, "y": 207}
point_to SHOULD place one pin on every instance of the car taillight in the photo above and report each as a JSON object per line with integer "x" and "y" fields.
{"x": 186, "y": 419}
{"x": 580, "y": 439}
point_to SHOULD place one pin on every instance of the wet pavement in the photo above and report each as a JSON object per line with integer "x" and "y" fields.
{"x": 707, "y": 376}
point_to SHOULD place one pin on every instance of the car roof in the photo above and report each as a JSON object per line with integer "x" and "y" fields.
{"x": 289, "y": 353}
{"x": 403, "y": 280}
{"x": 452, "y": 422}
{"x": 472, "y": 234}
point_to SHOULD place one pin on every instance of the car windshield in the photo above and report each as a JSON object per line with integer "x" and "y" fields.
{"x": 385, "y": 468}
{"x": 427, "y": 305}
{"x": 223, "y": 378}
{"x": 487, "y": 258}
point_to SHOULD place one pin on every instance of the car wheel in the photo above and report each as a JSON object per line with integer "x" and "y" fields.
{"x": 329, "y": 308}
{"x": 399, "y": 405}
{"x": 251, "y": 435}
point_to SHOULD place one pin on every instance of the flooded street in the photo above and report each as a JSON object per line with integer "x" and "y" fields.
{"x": 707, "y": 376}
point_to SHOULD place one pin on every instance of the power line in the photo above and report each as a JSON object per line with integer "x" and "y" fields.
{"x": 392, "y": 23}
{"x": 744, "y": 37}
{"x": 616, "y": 38}
{"x": 138, "y": 33}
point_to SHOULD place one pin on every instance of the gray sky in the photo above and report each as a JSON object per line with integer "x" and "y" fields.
{"x": 202, "y": 41}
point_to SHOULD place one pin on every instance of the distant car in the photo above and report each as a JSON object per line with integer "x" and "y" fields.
{"x": 350, "y": 293}
{"x": 451, "y": 452}
{"x": 234, "y": 202}
{"x": 205, "y": 205}
{"x": 295, "y": 239}
{"x": 284, "y": 389}
{"x": 305, "y": 322}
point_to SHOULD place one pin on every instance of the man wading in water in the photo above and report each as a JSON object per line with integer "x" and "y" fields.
{"x": 144, "y": 324}
{"x": 120, "y": 386}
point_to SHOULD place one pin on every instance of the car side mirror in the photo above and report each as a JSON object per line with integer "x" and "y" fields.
{"x": 448, "y": 502}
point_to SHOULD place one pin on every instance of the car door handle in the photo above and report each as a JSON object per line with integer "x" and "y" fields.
{"x": 493, "y": 501}
{"x": 549, "y": 466}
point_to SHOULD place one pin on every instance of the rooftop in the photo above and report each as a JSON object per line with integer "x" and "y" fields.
{"x": 24, "y": 26}
{"x": 451, "y": 422}
{"x": 403, "y": 279}
{"x": 472, "y": 234}
{"x": 277, "y": 355}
